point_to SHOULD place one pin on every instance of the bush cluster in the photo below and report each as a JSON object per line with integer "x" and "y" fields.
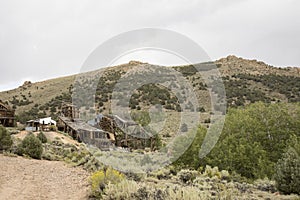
{"x": 287, "y": 85}
{"x": 31, "y": 146}
{"x": 187, "y": 176}
{"x": 252, "y": 140}
{"x": 100, "y": 179}
{"x": 287, "y": 173}
{"x": 41, "y": 136}
{"x": 5, "y": 139}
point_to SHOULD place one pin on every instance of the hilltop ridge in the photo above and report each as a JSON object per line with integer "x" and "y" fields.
{"x": 233, "y": 64}
{"x": 255, "y": 81}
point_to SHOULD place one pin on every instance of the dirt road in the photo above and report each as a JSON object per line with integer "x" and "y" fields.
{"x": 22, "y": 178}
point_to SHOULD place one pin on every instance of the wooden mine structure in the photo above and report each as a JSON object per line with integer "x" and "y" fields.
{"x": 127, "y": 133}
{"x": 70, "y": 123}
{"x": 83, "y": 132}
{"x": 107, "y": 132}
{"x": 70, "y": 111}
{"x": 7, "y": 115}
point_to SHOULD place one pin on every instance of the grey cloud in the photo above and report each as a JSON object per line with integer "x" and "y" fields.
{"x": 43, "y": 39}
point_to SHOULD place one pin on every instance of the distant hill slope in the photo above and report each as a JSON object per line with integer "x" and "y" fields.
{"x": 246, "y": 81}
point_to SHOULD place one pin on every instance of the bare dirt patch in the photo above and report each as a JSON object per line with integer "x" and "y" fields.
{"x": 22, "y": 178}
{"x": 51, "y": 136}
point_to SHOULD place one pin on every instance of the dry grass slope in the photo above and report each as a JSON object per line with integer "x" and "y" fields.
{"x": 43, "y": 92}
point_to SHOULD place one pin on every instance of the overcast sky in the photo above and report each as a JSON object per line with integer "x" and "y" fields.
{"x": 51, "y": 38}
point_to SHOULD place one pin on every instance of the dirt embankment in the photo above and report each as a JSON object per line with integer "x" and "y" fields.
{"x": 22, "y": 178}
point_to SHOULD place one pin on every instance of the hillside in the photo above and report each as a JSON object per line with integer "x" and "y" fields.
{"x": 246, "y": 81}
{"x": 255, "y": 156}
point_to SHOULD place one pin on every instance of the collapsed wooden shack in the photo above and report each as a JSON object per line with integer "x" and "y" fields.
{"x": 7, "y": 115}
{"x": 127, "y": 134}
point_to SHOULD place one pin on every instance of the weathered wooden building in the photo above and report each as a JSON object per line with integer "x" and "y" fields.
{"x": 127, "y": 134}
{"x": 83, "y": 132}
{"x": 70, "y": 123}
{"x": 105, "y": 131}
{"x": 7, "y": 115}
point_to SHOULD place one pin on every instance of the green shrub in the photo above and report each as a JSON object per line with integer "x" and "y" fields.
{"x": 287, "y": 174}
{"x": 5, "y": 139}
{"x": 102, "y": 178}
{"x": 187, "y": 176}
{"x": 163, "y": 173}
{"x": 134, "y": 176}
{"x": 265, "y": 185}
{"x": 53, "y": 128}
{"x": 123, "y": 190}
{"x": 31, "y": 146}
{"x": 41, "y": 136}
{"x": 213, "y": 172}
{"x": 141, "y": 190}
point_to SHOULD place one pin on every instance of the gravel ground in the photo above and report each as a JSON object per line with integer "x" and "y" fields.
{"x": 22, "y": 178}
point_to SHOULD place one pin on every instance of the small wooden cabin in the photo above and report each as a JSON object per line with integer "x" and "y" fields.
{"x": 43, "y": 124}
{"x": 7, "y": 115}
